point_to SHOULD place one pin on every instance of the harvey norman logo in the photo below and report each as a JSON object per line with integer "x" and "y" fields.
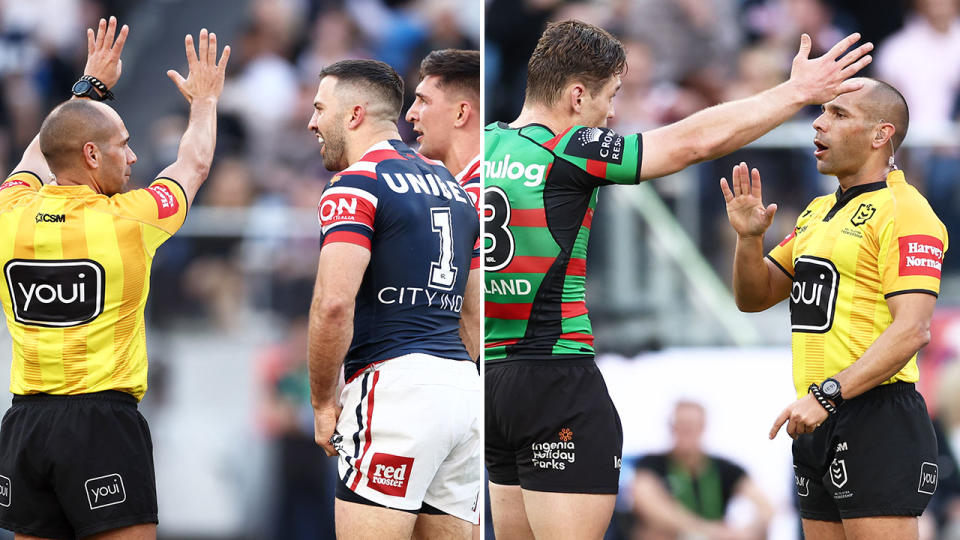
{"x": 920, "y": 255}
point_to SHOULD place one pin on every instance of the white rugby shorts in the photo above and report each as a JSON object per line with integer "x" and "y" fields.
{"x": 410, "y": 430}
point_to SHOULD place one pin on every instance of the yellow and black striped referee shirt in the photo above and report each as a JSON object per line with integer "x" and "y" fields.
{"x": 76, "y": 271}
{"x": 849, "y": 252}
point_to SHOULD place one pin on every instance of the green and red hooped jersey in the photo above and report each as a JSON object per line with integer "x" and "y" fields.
{"x": 540, "y": 191}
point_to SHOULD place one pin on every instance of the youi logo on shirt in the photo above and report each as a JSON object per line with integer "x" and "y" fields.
{"x": 55, "y": 293}
{"x": 813, "y": 295}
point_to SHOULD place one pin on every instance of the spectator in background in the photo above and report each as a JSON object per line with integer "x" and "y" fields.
{"x": 303, "y": 478}
{"x": 923, "y": 61}
{"x": 686, "y": 491}
{"x": 945, "y": 504}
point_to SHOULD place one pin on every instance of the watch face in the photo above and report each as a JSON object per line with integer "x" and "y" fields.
{"x": 830, "y": 387}
{"x": 80, "y": 88}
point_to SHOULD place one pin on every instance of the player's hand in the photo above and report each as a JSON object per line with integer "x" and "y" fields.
{"x": 205, "y": 78}
{"x": 325, "y": 425}
{"x": 819, "y": 80}
{"x": 103, "y": 53}
{"x": 745, "y": 208}
{"x": 804, "y": 415}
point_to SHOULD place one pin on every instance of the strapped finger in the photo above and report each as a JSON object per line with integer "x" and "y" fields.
{"x": 191, "y": 51}
{"x": 727, "y": 194}
{"x": 203, "y": 46}
{"x": 842, "y": 45}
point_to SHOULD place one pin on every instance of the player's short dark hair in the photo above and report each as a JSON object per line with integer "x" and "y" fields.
{"x": 67, "y": 128}
{"x": 572, "y": 50}
{"x": 890, "y": 105}
{"x": 457, "y": 69}
{"x": 372, "y": 75}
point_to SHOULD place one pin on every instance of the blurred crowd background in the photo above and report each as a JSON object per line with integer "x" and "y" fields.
{"x": 228, "y": 400}
{"x": 661, "y": 253}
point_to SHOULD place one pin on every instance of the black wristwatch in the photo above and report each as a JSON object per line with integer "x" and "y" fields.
{"x": 831, "y": 391}
{"x": 88, "y": 86}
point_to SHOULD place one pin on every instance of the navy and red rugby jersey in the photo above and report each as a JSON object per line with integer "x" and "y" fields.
{"x": 469, "y": 178}
{"x": 421, "y": 228}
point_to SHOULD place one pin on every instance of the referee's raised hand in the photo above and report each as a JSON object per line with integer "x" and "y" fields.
{"x": 205, "y": 76}
{"x": 103, "y": 51}
{"x": 745, "y": 209}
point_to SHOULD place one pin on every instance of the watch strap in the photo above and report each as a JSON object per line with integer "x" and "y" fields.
{"x": 821, "y": 399}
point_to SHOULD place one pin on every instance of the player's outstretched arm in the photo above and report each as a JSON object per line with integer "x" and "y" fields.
{"x": 721, "y": 129}
{"x": 471, "y": 316}
{"x": 339, "y": 275}
{"x": 757, "y": 283}
{"x": 103, "y": 62}
{"x": 201, "y": 89}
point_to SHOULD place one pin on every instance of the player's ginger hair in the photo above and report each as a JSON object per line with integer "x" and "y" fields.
{"x": 68, "y": 128}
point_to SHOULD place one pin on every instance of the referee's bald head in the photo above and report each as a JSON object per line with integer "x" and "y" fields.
{"x": 885, "y": 102}
{"x": 72, "y": 125}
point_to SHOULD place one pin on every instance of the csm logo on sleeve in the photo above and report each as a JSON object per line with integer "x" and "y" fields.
{"x": 55, "y": 293}
{"x": 813, "y": 296}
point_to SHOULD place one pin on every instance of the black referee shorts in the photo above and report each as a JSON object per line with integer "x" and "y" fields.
{"x": 551, "y": 426}
{"x": 876, "y": 457}
{"x": 73, "y": 466}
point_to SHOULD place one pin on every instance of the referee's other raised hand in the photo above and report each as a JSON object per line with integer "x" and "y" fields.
{"x": 205, "y": 76}
{"x": 103, "y": 51}
{"x": 819, "y": 80}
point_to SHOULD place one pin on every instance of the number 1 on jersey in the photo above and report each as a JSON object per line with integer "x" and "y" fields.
{"x": 442, "y": 273}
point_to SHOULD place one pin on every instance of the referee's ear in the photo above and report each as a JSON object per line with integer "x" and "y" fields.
{"x": 91, "y": 155}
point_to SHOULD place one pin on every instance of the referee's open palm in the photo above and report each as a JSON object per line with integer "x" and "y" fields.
{"x": 745, "y": 208}
{"x": 205, "y": 78}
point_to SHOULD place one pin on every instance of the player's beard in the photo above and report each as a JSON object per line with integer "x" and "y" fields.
{"x": 334, "y": 150}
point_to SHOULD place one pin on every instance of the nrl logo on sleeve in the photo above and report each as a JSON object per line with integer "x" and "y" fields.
{"x": 920, "y": 255}
{"x": 863, "y": 214}
{"x": 167, "y": 204}
{"x": 12, "y": 183}
{"x": 600, "y": 144}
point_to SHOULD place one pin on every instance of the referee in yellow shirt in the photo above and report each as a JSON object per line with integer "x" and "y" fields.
{"x": 862, "y": 271}
{"x": 75, "y": 454}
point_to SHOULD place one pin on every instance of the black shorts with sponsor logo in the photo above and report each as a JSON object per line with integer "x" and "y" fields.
{"x": 876, "y": 457}
{"x": 551, "y": 426}
{"x": 73, "y": 466}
